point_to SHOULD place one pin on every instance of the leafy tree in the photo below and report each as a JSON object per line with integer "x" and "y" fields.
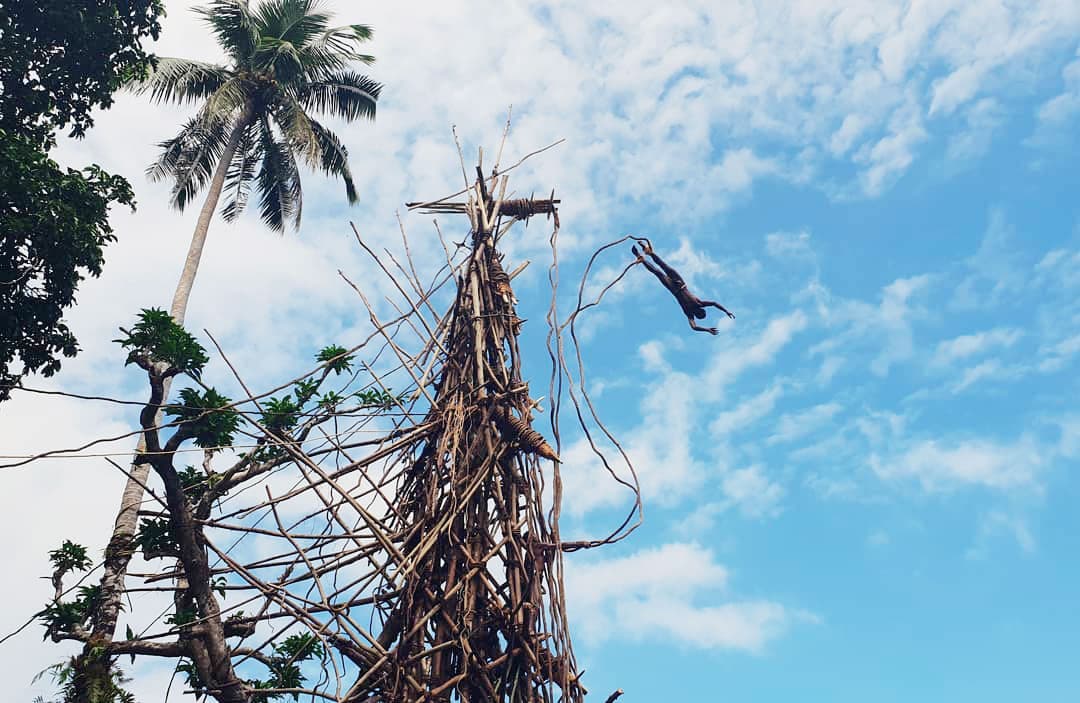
{"x": 53, "y": 226}
{"x": 56, "y": 65}
{"x": 58, "y": 61}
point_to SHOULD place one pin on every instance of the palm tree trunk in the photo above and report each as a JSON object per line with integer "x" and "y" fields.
{"x": 191, "y": 264}
{"x": 121, "y": 545}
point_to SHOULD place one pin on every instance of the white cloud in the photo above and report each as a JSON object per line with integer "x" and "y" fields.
{"x": 993, "y": 271}
{"x": 955, "y": 89}
{"x": 991, "y": 368}
{"x": 968, "y": 345}
{"x": 1056, "y": 356}
{"x": 943, "y": 466}
{"x": 878, "y": 538}
{"x": 746, "y": 412}
{"x": 661, "y": 446}
{"x": 730, "y": 361}
{"x": 1055, "y": 115}
{"x": 670, "y": 592}
{"x": 891, "y": 155}
{"x": 997, "y": 524}
{"x": 1069, "y": 443}
{"x": 652, "y": 355}
{"x": 748, "y": 491}
{"x": 886, "y": 326}
{"x": 789, "y": 245}
{"x": 752, "y": 492}
{"x": 1060, "y": 267}
{"x": 982, "y": 121}
{"x": 45, "y": 503}
{"x": 796, "y": 425}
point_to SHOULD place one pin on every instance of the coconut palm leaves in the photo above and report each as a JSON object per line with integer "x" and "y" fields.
{"x": 286, "y": 61}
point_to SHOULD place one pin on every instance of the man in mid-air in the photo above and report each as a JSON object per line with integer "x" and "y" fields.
{"x": 692, "y": 306}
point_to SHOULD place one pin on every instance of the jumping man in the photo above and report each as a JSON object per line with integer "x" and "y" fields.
{"x": 692, "y": 306}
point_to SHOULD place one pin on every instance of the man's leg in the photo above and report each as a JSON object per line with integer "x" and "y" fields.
{"x": 672, "y": 274}
{"x": 655, "y": 271}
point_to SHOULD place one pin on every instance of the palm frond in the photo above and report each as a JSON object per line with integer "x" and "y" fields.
{"x": 293, "y": 21}
{"x": 281, "y": 59}
{"x": 344, "y": 40}
{"x": 345, "y": 94}
{"x": 278, "y": 181}
{"x": 297, "y": 129}
{"x": 233, "y": 25}
{"x": 231, "y": 97}
{"x": 189, "y": 158}
{"x": 334, "y": 50}
{"x": 335, "y": 158}
{"x": 180, "y": 81}
{"x": 241, "y": 173}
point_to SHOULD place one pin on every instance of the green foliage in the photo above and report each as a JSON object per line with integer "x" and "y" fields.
{"x": 305, "y": 389}
{"x": 378, "y": 398}
{"x": 300, "y": 647}
{"x": 339, "y": 363}
{"x": 157, "y": 338}
{"x": 57, "y": 63}
{"x": 181, "y": 618}
{"x": 330, "y": 400}
{"x": 205, "y": 417}
{"x": 61, "y": 617}
{"x": 196, "y": 483}
{"x": 285, "y": 62}
{"x": 284, "y": 666}
{"x": 194, "y": 682}
{"x": 69, "y": 557}
{"x": 75, "y": 686}
{"x": 280, "y": 415}
{"x": 53, "y": 227}
{"x": 265, "y": 452}
{"x": 155, "y": 538}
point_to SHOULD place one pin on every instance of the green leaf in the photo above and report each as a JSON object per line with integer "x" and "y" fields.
{"x": 130, "y": 636}
{"x": 280, "y": 415}
{"x": 335, "y": 358}
{"x": 69, "y": 557}
{"x": 207, "y": 417}
{"x": 155, "y": 538}
{"x": 158, "y": 338}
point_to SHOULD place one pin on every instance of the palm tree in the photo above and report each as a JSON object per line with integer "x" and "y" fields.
{"x": 253, "y": 129}
{"x": 255, "y": 126}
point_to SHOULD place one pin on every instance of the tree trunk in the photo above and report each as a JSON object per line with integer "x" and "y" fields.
{"x": 121, "y": 545}
{"x": 191, "y": 264}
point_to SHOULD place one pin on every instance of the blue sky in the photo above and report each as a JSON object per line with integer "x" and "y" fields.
{"x": 863, "y": 488}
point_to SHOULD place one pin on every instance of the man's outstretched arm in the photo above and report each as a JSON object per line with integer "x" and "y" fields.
{"x": 714, "y": 304}
{"x": 693, "y": 325}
